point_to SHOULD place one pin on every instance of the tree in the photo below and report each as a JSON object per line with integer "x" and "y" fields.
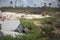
{"x": 22, "y": 5}
{"x": 11, "y": 3}
{"x": 35, "y": 5}
{"x": 45, "y": 4}
{"x": 50, "y": 4}
{"x": 58, "y": 5}
{"x": 59, "y": 0}
{"x": 15, "y": 3}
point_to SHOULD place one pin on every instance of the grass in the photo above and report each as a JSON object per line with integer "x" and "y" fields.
{"x": 35, "y": 33}
{"x": 27, "y": 23}
{"x": 0, "y": 26}
{"x": 6, "y": 38}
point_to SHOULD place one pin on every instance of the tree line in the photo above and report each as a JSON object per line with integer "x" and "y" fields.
{"x": 11, "y": 2}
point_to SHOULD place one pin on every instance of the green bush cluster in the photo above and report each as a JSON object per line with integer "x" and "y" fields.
{"x": 34, "y": 33}
{"x": 28, "y": 24}
{"x": 24, "y": 37}
{"x": 47, "y": 30}
{"x": 8, "y": 37}
{"x": 0, "y": 26}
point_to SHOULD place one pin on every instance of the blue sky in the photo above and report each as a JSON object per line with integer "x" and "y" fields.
{"x": 31, "y": 3}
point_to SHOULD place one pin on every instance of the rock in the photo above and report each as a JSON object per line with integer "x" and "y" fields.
{"x": 1, "y": 34}
{"x": 10, "y": 25}
{"x": 26, "y": 30}
{"x": 19, "y": 28}
{"x": 11, "y": 33}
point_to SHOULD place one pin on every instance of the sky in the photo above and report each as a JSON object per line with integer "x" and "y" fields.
{"x": 39, "y": 3}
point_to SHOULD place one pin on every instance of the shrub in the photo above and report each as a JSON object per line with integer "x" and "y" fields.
{"x": 28, "y": 24}
{"x": 47, "y": 30}
{"x": 55, "y": 36}
{"x": 34, "y": 35}
{"x": 0, "y": 26}
{"x": 34, "y": 32}
{"x": 8, "y": 37}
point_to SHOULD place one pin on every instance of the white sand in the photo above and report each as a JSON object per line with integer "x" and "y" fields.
{"x": 11, "y": 15}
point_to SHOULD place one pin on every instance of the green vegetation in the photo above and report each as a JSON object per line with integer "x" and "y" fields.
{"x": 45, "y": 31}
{"x": 27, "y": 24}
{"x": 7, "y": 38}
{"x": 34, "y": 32}
{"x": 37, "y": 32}
{"x": 0, "y": 26}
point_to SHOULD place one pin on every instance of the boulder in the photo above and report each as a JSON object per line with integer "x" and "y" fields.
{"x": 11, "y": 33}
{"x": 1, "y": 34}
{"x": 10, "y": 25}
{"x": 26, "y": 30}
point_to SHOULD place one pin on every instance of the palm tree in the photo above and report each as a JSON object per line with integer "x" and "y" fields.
{"x": 35, "y": 5}
{"x": 15, "y": 3}
{"x": 11, "y": 3}
{"x": 58, "y": 5}
{"x": 50, "y": 4}
{"x": 28, "y": 7}
{"x": 45, "y": 4}
{"x": 59, "y": 0}
{"x": 22, "y": 5}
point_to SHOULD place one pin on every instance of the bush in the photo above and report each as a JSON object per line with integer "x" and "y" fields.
{"x": 34, "y": 35}
{"x": 0, "y": 26}
{"x": 47, "y": 30}
{"x": 8, "y": 37}
{"x": 34, "y": 32}
{"x": 57, "y": 25}
{"x": 28, "y": 24}
{"x": 54, "y": 36}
